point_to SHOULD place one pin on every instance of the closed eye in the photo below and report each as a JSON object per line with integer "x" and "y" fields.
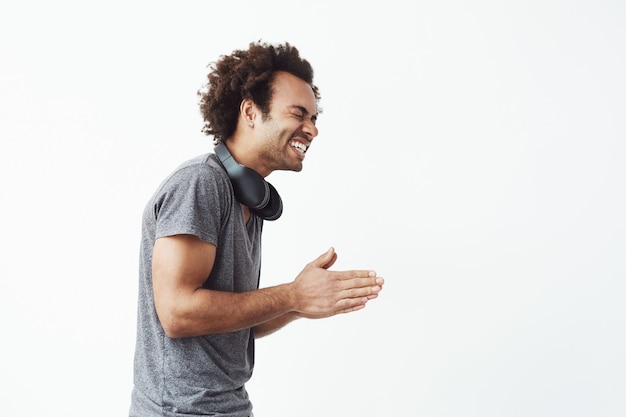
{"x": 301, "y": 112}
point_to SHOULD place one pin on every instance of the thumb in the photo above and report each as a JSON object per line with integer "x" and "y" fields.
{"x": 326, "y": 260}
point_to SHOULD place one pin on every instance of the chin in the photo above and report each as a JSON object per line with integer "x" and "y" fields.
{"x": 296, "y": 167}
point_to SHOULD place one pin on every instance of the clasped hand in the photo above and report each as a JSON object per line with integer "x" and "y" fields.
{"x": 323, "y": 293}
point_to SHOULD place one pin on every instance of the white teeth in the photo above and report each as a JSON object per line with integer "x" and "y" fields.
{"x": 298, "y": 145}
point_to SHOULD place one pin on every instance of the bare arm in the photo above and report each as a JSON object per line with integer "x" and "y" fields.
{"x": 181, "y": 264}
{"x": 325, "y": 261}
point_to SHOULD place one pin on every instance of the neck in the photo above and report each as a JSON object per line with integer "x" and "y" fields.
{"x": 245, "y": 153}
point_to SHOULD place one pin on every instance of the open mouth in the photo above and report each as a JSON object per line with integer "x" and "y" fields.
{"x": 299, "y": 146}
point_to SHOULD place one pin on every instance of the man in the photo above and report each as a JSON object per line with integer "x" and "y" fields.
{"x": 200, "y": 307}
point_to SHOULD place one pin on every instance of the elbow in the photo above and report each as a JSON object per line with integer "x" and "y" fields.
{"x": 173, "y": 332}
{"x": 173, "y": 325}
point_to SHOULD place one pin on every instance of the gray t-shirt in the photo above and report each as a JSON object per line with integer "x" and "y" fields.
{"x": 196, "y": 376}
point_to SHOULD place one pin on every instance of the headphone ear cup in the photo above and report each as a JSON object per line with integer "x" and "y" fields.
{"x": 250, "y": 188}
{"x": 274, "y": 208}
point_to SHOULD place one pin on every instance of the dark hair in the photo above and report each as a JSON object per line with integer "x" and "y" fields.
{"x": 247, "y": 74}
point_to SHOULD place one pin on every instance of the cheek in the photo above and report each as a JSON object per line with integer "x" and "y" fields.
{"x": 276, "y": 132}
{"x": 274, "y": 136}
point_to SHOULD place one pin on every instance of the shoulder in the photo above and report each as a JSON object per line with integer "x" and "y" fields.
{"x": 206, "y": 164}
{"x": 200, "y": 179}
{"x": 203, "y": 169}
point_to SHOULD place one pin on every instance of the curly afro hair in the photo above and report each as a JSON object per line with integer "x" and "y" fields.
{"x": 247, "y": 74}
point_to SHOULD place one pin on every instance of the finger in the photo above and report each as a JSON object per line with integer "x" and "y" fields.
{"x": 365, "y": 286}
{"x": 361, "y": 292}
{"x": 351, "y": 304}
{"x": 357, "y": 273}
{"x": 331, "y": 262}
{"x": 327, "y": 258}
{"x": 351, "y": 309}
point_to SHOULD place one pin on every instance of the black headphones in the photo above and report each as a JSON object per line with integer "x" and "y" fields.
{"x": 251, "y": 189}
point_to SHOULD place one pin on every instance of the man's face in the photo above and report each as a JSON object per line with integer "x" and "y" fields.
{"x": 290, "y": 127}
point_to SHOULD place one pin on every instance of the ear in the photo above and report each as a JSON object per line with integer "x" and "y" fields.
{"x": 248, "y": 110}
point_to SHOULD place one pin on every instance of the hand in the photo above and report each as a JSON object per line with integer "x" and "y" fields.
{"x": 322, "y": 293}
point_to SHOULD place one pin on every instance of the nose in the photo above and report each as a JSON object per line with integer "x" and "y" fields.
{"x": 310, "y": 129}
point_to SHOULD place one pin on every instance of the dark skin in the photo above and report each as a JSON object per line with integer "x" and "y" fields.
{"x": 182, "y": 263}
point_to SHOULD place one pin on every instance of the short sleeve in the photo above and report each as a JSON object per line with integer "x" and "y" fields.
{"x": 193, "y": 200}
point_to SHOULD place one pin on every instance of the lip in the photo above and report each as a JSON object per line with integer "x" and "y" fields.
{"x": 299, "y": 153}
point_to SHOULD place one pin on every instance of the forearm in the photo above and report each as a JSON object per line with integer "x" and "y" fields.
{"x": 270, "y": 326}
{"x": 204, "y": 312}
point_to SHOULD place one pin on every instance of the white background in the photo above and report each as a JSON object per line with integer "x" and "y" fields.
{"x": 473, "y": 153}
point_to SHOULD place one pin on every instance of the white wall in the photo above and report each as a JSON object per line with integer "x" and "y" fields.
{"x": 471, "y": 152}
